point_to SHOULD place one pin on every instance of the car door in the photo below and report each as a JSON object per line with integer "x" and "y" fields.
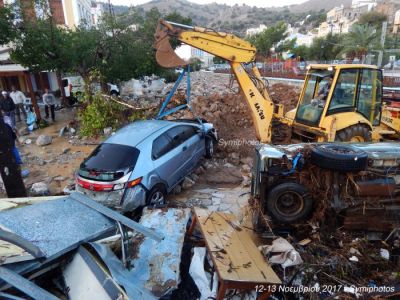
{"x": 168, "y": 159}
{"x": 194, "y": 142}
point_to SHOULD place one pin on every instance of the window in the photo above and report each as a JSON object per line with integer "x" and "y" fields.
{"x": 344, "y": 95}
{"x": 161, "y": 146}
{"x": 179, "y": 134}
{"x": 369, "y": 95}
{"x": 103, "y": 164}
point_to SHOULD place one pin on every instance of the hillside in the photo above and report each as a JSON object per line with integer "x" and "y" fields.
{"x": 317, "y": 5}
{"x": 238, "y": 18}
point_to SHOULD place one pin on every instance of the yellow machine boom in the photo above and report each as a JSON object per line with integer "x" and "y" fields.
{"x": 231, "y": 48}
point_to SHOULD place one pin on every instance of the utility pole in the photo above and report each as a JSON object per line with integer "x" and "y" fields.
{"x": 383, "y": 37}
{"x": 9, "y": 169}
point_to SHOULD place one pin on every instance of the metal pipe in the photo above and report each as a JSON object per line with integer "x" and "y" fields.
{"x": 180, "y": 25}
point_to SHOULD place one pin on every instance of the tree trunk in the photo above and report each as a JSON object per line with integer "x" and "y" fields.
{"x": 9, "y": 169}
{"x": 33, "y": 96}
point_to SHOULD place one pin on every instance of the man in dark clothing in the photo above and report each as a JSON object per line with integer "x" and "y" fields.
{"x": 7, "y": 106}
{"x": 9, "y": 169}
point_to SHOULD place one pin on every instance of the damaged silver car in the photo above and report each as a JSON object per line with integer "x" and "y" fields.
{"x": 142, "y": 162}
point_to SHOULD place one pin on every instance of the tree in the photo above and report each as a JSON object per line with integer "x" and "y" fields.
{"x": 325, "y": 48}
{"x": 360, "y": 40}
{"x": 269, "y": 38}
{"x": 372, "y": 18}
{"x": 7, "y": 28}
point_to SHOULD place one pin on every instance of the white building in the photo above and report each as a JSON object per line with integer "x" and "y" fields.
{"x": 396, "y": 26}
{"x": 358, "y": 3}
{"x": 207, "y": 59}
{"x": 302, "y": 39}
{"x": 256, "y": 30}
{"x": 97, "y": 11}
{"x": 77, "y": 12}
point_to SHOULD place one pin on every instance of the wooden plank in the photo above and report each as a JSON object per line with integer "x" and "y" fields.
{"x": 246, "y": 262}
{"x": 242, "y": 262}
{"x": 214, "y": 244}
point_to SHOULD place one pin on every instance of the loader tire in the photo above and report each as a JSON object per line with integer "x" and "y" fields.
{"x": 289, "y": 202}
{"x": 357, "y": 134}
{"x": 339, "y": 157}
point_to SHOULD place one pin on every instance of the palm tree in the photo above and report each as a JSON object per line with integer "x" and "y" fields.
{"x": 359, "y": 41}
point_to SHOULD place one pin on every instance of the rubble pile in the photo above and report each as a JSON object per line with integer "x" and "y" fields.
{"x": 342, "y": 260}
{"x": 286, "y": 95}
{"x": 215, "y": 98}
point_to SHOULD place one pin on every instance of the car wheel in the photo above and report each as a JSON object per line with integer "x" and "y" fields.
{"x": 210, "y": 147}
{"x": 344, "y": 158}
{"x": 157, "y": 196}
{"x": 289, "y": 202}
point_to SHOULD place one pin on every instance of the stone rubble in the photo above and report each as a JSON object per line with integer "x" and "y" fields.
{"x": 44, "y": 140}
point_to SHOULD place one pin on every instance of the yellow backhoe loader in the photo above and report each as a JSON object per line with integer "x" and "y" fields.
{"x": 337, "y": 102}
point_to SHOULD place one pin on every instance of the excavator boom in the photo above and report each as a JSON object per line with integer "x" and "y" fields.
{"x": 229, "y": 47}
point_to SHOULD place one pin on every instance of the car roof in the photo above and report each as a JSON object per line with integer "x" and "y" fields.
{"x": 136, "y": 132}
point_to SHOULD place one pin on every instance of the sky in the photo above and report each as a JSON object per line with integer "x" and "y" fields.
{"x": 259, "y": 3}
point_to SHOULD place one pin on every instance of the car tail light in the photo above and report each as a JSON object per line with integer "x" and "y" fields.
{"x": 134, "y": 182}
{"x": 98, "y": 187}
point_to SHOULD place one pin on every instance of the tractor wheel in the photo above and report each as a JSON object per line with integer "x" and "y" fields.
{"x": 356, "y": 134}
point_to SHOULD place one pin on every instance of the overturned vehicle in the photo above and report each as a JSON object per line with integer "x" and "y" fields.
{"x": 358, "y": 182}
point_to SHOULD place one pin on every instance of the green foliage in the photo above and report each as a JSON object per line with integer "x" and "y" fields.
{"x": 195, "y": 64}
{"x": 372, "y": 18}
{"x": 169, "y": 75}
{"x": 99, "y": 114}
{"x": 360, "y": 40}
{"x": 326, "y": 48}
{"x": 218, "y": 60}
{"x": 7, "y": 30}
{"x": 269, "y": 38}
{"x": 42, "y": 46}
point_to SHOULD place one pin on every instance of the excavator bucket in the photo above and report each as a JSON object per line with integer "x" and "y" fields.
{"x": 165, "y": 55}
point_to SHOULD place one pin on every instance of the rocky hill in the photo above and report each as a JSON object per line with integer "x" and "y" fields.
{"x": 238, "y": 18}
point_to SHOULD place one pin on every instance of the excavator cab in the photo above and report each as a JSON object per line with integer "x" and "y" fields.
{"x": 335, "y": 100}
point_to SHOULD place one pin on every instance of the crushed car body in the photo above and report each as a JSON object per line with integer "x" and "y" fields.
{"x": 301, "y": 181}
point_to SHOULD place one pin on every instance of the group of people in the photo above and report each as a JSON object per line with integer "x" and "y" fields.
{"x": 12, "y": 105}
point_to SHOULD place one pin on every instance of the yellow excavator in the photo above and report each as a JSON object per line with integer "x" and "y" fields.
{"x": 337, "y": 102}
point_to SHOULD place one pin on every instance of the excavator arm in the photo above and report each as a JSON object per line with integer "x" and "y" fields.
{"x": 231, "y": 48}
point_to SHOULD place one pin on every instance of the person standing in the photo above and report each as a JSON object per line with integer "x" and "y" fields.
{"x": 10, "y": 171}
{"x": 50, "y": 102}
{"x": 19, "y": 100}
{"x": 7, "y": 106}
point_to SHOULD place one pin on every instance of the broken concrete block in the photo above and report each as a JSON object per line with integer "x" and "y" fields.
{"x": 23, "y": 131}
{"x": 62, "y": 131}
{"x": 177, "y": 189}
{"x": 44, "y": 140}
{"x": 21, "y": 140}
{"x": 187, "y": 183}
{"x": 39, "y": 189}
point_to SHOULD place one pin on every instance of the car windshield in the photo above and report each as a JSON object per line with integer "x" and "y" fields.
{"x": 109, "y": 162}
